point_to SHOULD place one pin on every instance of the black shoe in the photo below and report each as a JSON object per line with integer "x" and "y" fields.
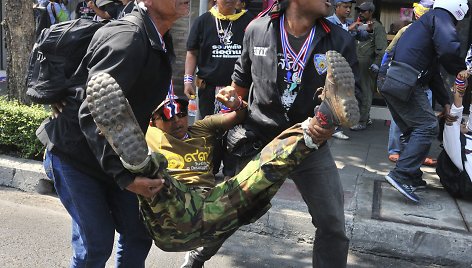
{"x": 404, "y": 188}
{"x": 191, "y": 262}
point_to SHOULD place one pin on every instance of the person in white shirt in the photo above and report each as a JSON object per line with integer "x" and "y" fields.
{"x": 455, "y": 162}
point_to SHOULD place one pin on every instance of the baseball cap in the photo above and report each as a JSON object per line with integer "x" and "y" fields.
{"x": 366, "y": 6}
{"x": 101, "y": 3}
{"x": 344, "y": 1}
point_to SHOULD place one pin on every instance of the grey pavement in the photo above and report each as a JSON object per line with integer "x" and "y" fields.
{"x": 379, "y": 220}
{"x": 35, "y": 232}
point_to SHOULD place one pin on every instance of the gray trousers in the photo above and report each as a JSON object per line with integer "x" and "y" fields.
{"x": 419, "y": 126}
{"x": 318, "y": 181}
{"x": 367, "y": 83}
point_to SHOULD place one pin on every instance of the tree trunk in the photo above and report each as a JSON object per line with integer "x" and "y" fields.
{"x": 19, "y": 34}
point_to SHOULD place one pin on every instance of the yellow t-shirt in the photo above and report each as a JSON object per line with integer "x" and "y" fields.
{"x": 190, "y": 160}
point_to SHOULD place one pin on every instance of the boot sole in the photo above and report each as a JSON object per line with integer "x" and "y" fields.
{"x": 340, "y": 79}
{"x": 115, "y": 119}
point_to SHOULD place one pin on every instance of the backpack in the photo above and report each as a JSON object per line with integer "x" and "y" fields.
{"x": 55, "y": 57}
{"x": 457, "y": 183}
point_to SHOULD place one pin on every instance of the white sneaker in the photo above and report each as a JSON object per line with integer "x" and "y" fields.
{"x": 340, "y": 135}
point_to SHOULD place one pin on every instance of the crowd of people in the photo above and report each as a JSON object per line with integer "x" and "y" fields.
{"x": 57, "y": 11}
{"x": 266, "y": 94}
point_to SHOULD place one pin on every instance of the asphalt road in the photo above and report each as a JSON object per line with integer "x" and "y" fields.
{"x": 35, "y": 232}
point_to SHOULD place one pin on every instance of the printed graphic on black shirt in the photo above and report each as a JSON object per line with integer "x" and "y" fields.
{"x": 287, "y": 81}
{"x": 231, "y": 51}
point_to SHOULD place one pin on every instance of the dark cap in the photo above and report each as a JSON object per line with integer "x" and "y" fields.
{"x": 344, "y": 1}
{"x": 366, "y": 6}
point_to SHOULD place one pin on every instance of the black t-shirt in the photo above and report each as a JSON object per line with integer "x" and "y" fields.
{"x": 216, "y": 60}
{"x": 83, "y": 11}
{"x": 113, "y": 9}
{"x": 290, "y": 91}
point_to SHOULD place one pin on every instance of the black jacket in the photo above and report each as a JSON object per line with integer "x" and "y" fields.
{"x": 133, "y": 54}
{"x": 428, "y": 42}
{"x": 258, "y": 65}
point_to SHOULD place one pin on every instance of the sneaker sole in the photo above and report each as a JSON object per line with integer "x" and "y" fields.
{"x": 340, "y": 136}
{"x": 340, "y": 83}
{"x": 115, "y": 119}
{"x": 395, "y": 185}
{"x": 420, "y": 188}
{"x": 186, "y": 260}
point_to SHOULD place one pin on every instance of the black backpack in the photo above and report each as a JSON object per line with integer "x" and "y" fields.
{"x": 55, "y": 57}
{"x": 457, "y": 183}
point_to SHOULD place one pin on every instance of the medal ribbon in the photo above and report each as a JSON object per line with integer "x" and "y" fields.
{"x": 298, "y": 58}
{"x": 171, "y": 106}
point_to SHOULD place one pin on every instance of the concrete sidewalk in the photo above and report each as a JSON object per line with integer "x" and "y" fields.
{"x": 378, "y": 218}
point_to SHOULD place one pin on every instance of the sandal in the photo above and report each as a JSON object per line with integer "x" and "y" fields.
{"x": 393, "y": 157}
{"x": 430, "y": 162}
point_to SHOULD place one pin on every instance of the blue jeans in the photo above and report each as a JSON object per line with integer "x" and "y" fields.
{"x": 418, "y": 123}
{"x": 98, "y": 209}
{"x": 318, "y": 181}
{"x": 395, "y": 143}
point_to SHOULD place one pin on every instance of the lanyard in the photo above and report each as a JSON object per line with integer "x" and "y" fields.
{"x": 160, "y": 37}
{"x": 298, "y": 58}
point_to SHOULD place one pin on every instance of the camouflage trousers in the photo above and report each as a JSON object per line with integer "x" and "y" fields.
{"x": 182, "y": 217}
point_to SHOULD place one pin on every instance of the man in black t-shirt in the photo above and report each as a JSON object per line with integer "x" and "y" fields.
{"x": 213, "y": 46}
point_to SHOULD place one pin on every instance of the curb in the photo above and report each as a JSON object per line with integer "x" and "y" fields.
{"x": 419, "y": 244}
{"x": 23, "y": 174}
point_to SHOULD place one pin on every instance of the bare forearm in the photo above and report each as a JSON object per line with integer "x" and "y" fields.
{"x": 191, "y": 62}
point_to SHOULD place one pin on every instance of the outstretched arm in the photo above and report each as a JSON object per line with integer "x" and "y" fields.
{"x": 237, "y": 107}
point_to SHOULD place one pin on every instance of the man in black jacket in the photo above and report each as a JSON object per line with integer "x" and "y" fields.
{"x": 284, "y": 93}
{"x": 97, "y": 191}
{"x": 429, "y": 42}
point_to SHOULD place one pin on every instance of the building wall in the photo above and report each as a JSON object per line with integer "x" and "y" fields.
{"x": 180, "y": 32}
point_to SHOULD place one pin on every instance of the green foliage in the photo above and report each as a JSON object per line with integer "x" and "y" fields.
{"x": 18, "y": 124}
